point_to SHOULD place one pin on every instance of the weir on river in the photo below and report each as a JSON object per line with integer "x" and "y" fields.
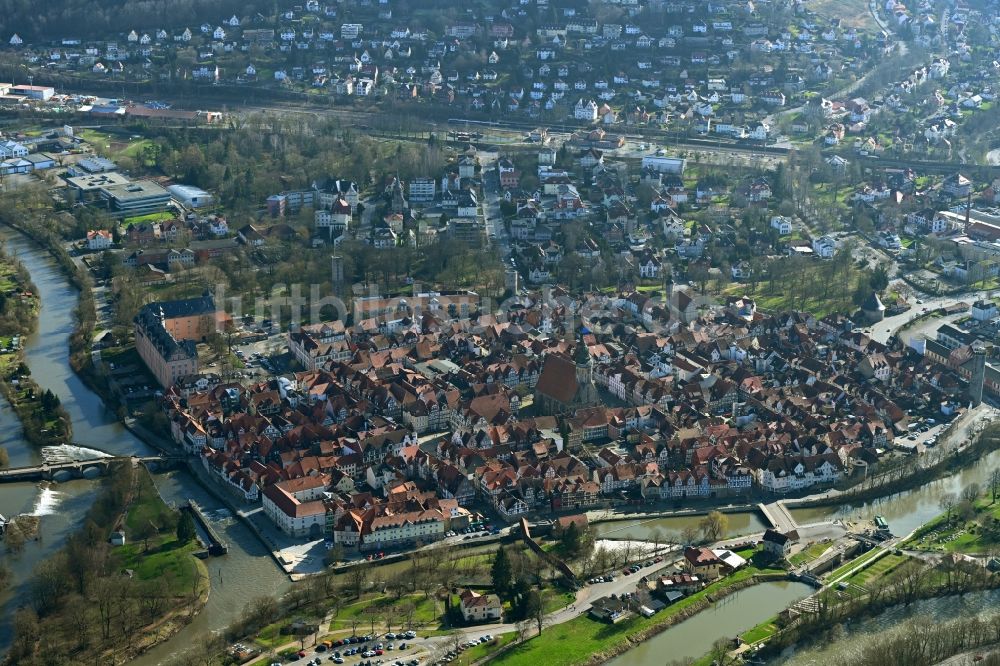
{"x": 249, "y": 570}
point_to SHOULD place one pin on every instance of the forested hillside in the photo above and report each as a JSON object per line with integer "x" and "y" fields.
{"x": 57, "y": 19}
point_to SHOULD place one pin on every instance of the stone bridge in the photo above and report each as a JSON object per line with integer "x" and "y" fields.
{"x": 80, "y": 469}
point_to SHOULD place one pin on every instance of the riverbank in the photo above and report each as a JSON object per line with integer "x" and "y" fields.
{"x": 41, "y": 230}
{"x": 984, "y": 443}
{"x": 93, "y": 599}
{"x": 585, "y": 641}
{"x": 43, "y": 420}
{"x": 245, "y": 573}
{"x": 911, "y": 581}
{"x": 849, "y": 643}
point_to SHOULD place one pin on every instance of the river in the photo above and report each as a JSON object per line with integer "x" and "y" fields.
{"x": 246, "y": 572}
{"x": 60, "y": 510}
{"x": 951, "y": 608}
{"x": 47, "y": 354}
{"x": 670, "y": 528}
{"x": 693, "y": 638}
{"x": 907, "y": 510}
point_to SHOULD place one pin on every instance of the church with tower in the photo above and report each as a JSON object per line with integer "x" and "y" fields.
{"x": 566, "y": 384}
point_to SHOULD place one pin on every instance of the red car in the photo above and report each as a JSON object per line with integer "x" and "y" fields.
{"x": 301, "y": 653}
{"x": 626, "y": 571}
{"x": 378, "y": 653}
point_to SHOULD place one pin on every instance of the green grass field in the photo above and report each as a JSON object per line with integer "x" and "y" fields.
{"x": 961, "y": 536}
{"x": 114, "y": 146}
{"x": 877, "y": 569}
{"x": 576, "y": 641}
{"x": 151, "y": 217}
{"x": 426, "y": 611}
{"x": 761, "y": 632}
{"x": 847, "y": 566}
{"x": 810, "y": 553}
{"x": 472, "y": 655}
{"x": 166, "y": 558}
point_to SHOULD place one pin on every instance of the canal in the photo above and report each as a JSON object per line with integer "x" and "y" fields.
{"x": 246, "y": 572}
{"x": 693, "y": 638}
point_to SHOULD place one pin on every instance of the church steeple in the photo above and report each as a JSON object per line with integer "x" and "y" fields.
{"x": 581, "y": 356}
{"x": 586, "y": 392}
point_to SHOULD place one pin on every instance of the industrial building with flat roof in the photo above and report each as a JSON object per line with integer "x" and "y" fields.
{"x": 137, "y": 198}
{"x": 88, "y": 187}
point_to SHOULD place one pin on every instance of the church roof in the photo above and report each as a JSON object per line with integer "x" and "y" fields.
{"x": 558, "y": 378}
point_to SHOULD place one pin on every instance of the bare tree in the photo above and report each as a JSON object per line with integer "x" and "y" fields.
{"x": 656, "y": 536}
{"x": 910, "y": 581}
{"x": 357, "y": 578}
{"x": 523, "y": 626}
{"x": 720, "y": 652}
{"x": 374, "y": 613}
{"x": 103, "y": 593}
{"x": 407, "y": 611}
{"x": 145, "y": 531}
{"x": 947, "y": 504}
{"x": 535, "y": 610}
{"x": 995, "y": 485}
{"x": 971, "y": 492}
{"x": 689, "y": 535}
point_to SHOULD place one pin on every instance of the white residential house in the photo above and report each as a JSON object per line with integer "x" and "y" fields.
{"x": 890, "y": 241}
{"x": 741, "y": 271}
{"x": 984, "y": 310}
{"x": 99, "y": 239}
{"x": 782, "y": 224}
{"x": 824, "y": 247}
{"x": 585, "y": 111}
{"x": 219, "y": 33}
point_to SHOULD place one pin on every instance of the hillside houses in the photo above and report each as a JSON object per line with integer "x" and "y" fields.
{"x": 467, "y": 62}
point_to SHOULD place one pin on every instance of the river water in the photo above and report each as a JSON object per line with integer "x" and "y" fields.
{"x": 246, "y": 572}
{"x": 908, "y": 510}
{"x": 61, "y": 509}
{"x": 733, "y": 615}
{"x": 670, "y": 528}
{"x": 950, "y": 608}
{"x": 47, "y": 352}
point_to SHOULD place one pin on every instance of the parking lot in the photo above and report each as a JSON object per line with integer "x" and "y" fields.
{"x": 923, "y": 434}
{"x": 370, "y": 650}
